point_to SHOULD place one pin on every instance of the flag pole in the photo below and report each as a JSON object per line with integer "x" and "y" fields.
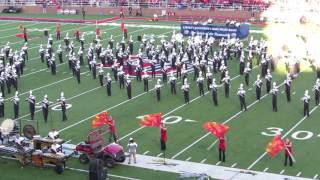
{"x": 290, "y": 154}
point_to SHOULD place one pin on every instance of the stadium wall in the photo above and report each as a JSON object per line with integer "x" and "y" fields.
{"x": 234, "y": 14}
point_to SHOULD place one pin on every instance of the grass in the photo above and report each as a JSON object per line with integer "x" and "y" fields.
{"x": 245, "y": 141}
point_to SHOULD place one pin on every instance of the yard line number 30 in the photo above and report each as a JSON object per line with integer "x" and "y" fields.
{"x": 298, "y": 135}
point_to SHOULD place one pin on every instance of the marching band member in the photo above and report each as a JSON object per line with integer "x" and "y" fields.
{"x": 145, "y": 78}
{"x": 316, "y": 89}
{"x": 62, "y": 102}
{"x": 287, "y": 84}
{"x": 128, "y": 85}
{"x": 227, "y": 83}
{"x": 306, "y": 100}
{"x": 100, "y": 74}
{"x": 274, "y": 93}
{"x": 268, "y": 78}
{"x": 55, "y": 148}
{"x": 186, "y": 87}
{"x": 258, "y": 83}
{"x": 32, "y": 103}
{"x": 200, "y": 80}
{"x": 45, "y": 107}
{"x": 157, "y": 87}
{"x": 214, "y": 92}
{"x": 242, "y": 94}
{"x": 288, "y": 152}
{"x": 172, "y": 81}
{"x": 16, "y": 101}
{"x": 222, "y": 149}
{"x": 1, "y": 106}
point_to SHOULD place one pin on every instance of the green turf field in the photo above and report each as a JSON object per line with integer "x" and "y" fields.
{"x": 246, "y": 141}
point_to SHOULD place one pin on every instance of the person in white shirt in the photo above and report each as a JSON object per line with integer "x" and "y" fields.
{"x": 132, "y": 148}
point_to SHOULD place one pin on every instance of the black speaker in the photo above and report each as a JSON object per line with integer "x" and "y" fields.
{"x": 96, "y": 170}
{"x": 139, "y": 38}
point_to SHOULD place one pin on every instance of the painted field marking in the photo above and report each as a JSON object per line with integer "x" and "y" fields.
{"x": 204, "y": 160}
{"x": 50, "y": 27}
{"x": 294, "y": 93}
{"x": 288, "y": 132}
{"x": 218, "y": 163}
{"x": 282, "y": 171}
{"x": 145, "y": 152}
{"x": 188, "y": 158}
{"x": 233, "y": 165}
{"x": 212, "y": 144}
{"x": 41, "y": 87}
{"x": 315, "y": 176}
{"x": 17, "y": 28}
{"x": 249, "y": 89}
{"x": 298, "y": 175}
{"x": 282, "y": 92}
{"x": 207, "y": 134}
{"x": 111, "y": 175}
{"x": 266, "y": 169}
{"x": 159, "y": 154}
{"x": 177, "y": 108}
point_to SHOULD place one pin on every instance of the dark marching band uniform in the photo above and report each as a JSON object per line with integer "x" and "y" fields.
{"x": 172, "y": 81}
{"x": 214, "y": 92}
{"x": 200, "y": 80}
{"x": 128, "y": 85}
{"x": 100, "y": 74}
{"x": 258, "y": 83}
{"x": 77, "y": 72}
{"x": 145, "y": 78}
{"x": 45, "y": 108}
{"x": 108, "y": 82}
{"x": 268, "y": 78}
{"x": 317, "y": 91}
{"x": 222, "y": 149}
{"x": 287, "y": 84}
{"x": 185, "y": 87}
{"x": 242, "y": 97}
{"x": 1, "y": 106}
{"x": 15, "y": 101}
{"x": 226, "y": 81}
{"x": 158, "y": 90}
{"x": 62, "y": 101}
{"x": 306, "y": 100}
{"x": 246, "y": 72}
{"x": 32, "y": 104}
{"x": 274, "y": 93}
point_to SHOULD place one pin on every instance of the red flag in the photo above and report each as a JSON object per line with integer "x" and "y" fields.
{"x": 122, "y": 26}
{"x": 151, "y": 120}
{"x": 275, "y": 146}
{"x": 100, "y": 120}
{"x": 216, "y": 129}
{"x": 20, "y": 35}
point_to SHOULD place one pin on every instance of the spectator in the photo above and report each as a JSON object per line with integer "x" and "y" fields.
{"x": 132, "y": 147}
{"x": 44, "y": 7}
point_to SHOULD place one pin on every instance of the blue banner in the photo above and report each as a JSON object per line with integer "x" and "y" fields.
{"x": 216, "y": 31}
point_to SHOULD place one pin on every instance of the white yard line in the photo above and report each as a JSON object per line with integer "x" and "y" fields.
{"x": 204, "y": 160}
{"x": 315, "y": 176}
{"x": 159, "y": 154}
{"x": 288, "y": 132}
{"x": 212, "y": 144}
{"x": 266, "y": 169}
{"x": 234, "y": 165}
{"x": 145, "y": 152}
{"x": 188, "y": 159}
{"x": 16, "y": 28}
{"x": 41, "y": 87}
{"x": 10, "y": 22}
{"x": 19, "y": 42}
{"x": 217, "y": 164}
{"x": 282, "y": 171}
{"x": 298, "y": 175}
